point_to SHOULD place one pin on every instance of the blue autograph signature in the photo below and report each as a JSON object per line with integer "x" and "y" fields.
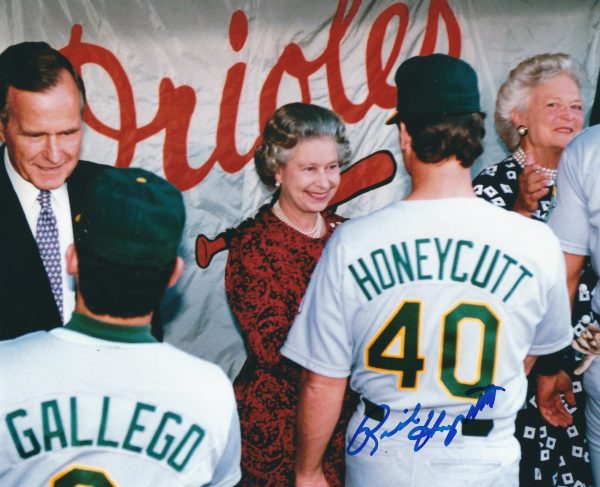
{"x": 423, "y": 432}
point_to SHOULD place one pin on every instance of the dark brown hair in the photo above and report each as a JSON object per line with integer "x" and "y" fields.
{"x": 438, "y": 137}
{"x": 117, "y": 290}
{"x": 33, "y": 66}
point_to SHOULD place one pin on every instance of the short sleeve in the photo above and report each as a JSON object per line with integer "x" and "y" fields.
{"x": 554, "y": 332}
{"x": 319, "y": 339}
{"x": 228, "y": 470}
{"x": 569, "y": 220}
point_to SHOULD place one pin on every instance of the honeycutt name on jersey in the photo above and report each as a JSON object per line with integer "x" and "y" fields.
{"x": 103, "y": 422}
{"x": 424, "y": 259}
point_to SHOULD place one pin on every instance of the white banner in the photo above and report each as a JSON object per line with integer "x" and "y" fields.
{"x": 183, "y": 88}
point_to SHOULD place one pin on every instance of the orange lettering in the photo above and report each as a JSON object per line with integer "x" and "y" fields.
{"x": 176, "y": 105}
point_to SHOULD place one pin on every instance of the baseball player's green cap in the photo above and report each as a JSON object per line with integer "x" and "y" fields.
{"x": 435, "y": 84}
{"x": 130, "y": 217}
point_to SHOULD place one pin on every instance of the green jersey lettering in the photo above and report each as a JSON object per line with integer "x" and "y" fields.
{"x": 28, "y": 434}
{"x": 509, "y": 261}
{"x": 193, "y": 436}
{"x": 135, "y": 426}
{"x": 388, "y": 271}
{"x": 491, "y": 266}
{"x": 402, "y": 263}
{"x": 524, "y": 273}
{"x": 75, "y": 427}
{"x": 422, "y": 257}
{"x": 442, "y": 255}
{"x": 168, "y": 439}
{"x": 52, "y": 425}
{"x": 102, "y": 441}
{"x": 367, "y": 278}
{"x": 459, "y": 245}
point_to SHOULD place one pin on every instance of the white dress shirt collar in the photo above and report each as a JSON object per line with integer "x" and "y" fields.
{"x": 27, "y": 194}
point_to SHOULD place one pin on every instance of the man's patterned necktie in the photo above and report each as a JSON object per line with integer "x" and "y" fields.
{"x": 46, "y": 236}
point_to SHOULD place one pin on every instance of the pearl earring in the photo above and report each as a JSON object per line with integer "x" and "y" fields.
{"x": 522, "y": 130}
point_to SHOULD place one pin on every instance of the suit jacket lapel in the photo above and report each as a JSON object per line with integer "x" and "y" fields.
{"x": 12, "y": 212}
{"x": 27, "y": 303}
{"x": 77, "y": 183}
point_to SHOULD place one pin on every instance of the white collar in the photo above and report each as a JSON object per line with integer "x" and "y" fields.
{"x": 28, "y": 193}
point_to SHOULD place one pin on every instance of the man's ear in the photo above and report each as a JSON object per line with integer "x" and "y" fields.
{"x": 405, "y": 138}
{"x": 177, "y": 271}
{"x": 72, "y": 260}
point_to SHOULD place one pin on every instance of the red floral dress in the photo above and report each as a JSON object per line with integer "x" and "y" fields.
{"x": 267, "y": 271}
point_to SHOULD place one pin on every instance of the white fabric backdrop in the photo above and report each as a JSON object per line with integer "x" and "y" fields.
{"x": 183, "y": 87}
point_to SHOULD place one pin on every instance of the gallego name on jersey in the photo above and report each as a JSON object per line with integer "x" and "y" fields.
{"x": 58, "y": 426}
{"x": 439, "y": 259}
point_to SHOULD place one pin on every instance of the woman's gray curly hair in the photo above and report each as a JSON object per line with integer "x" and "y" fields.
{"x": 514, "y": 92}
{"x": 291, "y": 124}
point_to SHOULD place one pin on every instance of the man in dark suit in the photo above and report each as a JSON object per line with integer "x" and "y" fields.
{"x": 42, "y": 99}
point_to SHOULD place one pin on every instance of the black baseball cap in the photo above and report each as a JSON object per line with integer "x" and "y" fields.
{"x": 435, "y": 84}
{"x": 131, "y": 217}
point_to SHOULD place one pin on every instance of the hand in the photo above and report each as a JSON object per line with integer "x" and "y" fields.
{"x": 316, "y": 479}
{"x": 587, "y": 343}
{"x": 550, "y": 404}
{"x": 528, "y": 363}
{"x": 533, "y": 185}
{"x": 586, "y": 361}
{"x": 589, "y": 340}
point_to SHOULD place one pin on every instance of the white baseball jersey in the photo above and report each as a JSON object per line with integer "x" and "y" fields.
{"x": 576, "y": 222}
{"x": 423, "y": 300}
{"x": 97, "y": 410}
{"x": 576, "y": 218}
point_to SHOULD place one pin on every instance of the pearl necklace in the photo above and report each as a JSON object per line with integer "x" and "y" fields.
{"x": 316, "y": 232}
{"x": 519, "y": 156}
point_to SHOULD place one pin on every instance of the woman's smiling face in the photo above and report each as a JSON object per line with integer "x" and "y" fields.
{"x": 554, "y": 114}
{"x": 310, "y": 178}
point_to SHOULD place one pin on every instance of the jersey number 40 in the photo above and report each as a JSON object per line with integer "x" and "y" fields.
{"x": 404, "y": 329}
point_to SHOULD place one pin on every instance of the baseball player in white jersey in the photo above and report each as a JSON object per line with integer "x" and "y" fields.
{"x": 576, "y": 222}
{"x": 99, "y": 402}
{"x": 431, "y": 306}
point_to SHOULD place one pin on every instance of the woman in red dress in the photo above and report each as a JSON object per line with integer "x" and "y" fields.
{"x": 271, "y": 259}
